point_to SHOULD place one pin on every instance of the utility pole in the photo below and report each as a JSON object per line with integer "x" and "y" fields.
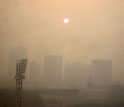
{"x": 20, "y": 71}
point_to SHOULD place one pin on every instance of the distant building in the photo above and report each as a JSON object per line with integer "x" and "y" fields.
{"x": 97, "y": 74}
{"x": 15, "y": 54}
{"x": 76, "y": 75}
{"x": 62, "y": 98}
{"x": 53, "y": 71}
{"x": 35, "y": 72}
{"x": 101, "y": 71}
{"x": 75, "y": 97}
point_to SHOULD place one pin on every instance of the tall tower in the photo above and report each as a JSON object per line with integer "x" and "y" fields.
{"x": 15, "y": 54}
{"x": 53, "y": 71}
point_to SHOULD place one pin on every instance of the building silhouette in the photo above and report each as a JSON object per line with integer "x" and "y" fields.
{"x": 101, "y": 71}
{"x": 53, "y": 71}
{"x": 96, "y": 74}
{"x": 76, "y": 75}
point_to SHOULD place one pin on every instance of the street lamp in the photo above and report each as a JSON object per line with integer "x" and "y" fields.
{"x": 20, "y": 71}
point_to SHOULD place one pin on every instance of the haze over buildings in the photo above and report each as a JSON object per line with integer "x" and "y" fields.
{"x": 95, "y": 31}
{"x": 99, "y": 72}
{"x": 76, "y": 75}
{"x": 74, "y": 51}
{"x": 35, "y": 72}
{"x": 53, "y": 71}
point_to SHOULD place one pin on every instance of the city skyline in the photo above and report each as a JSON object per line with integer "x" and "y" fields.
{"x": 41, "y": 68}
{"x": 61, "y": 53}
{"x": 95, "y": 31}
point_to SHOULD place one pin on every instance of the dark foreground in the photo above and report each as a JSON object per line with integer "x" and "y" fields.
{"x": 113, "y": 97}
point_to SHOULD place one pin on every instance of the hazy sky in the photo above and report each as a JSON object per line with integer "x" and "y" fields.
{"x": 95, "y": 31}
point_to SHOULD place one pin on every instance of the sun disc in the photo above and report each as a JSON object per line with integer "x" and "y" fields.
{"x": 66, "y": 20}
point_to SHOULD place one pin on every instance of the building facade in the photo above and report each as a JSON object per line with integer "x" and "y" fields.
{"x": 101, "y": 71}
{"x": 76, "y": 75}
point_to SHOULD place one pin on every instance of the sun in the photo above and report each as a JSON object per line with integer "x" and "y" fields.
{"x": 66, "y": 20}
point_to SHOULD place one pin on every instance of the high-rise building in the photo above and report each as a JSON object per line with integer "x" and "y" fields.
{"x": 15, "y": 54}
{"x": 76, "y": 75}
{"x": 101, "y": 71}
{"x": 53, "y": 71}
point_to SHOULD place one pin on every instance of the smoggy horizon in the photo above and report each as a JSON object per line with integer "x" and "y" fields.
{"x": 95, "y": 31}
